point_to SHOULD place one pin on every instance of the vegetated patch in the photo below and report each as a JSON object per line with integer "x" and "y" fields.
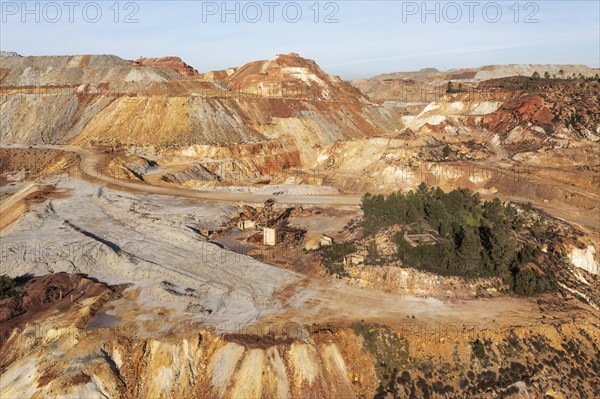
{"x": 479, "y": 350}
{"x": 7, "y": 287}
{"x": 11, "y": 296}
{"x": 388, "y": 348}
{"x": 456, "y": 234}
{"x": 333, "y": 256}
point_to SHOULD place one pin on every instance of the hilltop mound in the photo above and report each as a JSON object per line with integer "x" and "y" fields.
{"x": 63, "y": 71}
{"x": 291, "y": 76}
{"x": 174, "y": 63}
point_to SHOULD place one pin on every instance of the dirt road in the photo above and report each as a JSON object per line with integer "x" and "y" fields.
{"x": 90, "y": 160}
{"x": 317, "y": 300}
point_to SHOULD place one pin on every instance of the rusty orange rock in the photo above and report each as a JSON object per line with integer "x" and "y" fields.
{"x": 174, "y": 63}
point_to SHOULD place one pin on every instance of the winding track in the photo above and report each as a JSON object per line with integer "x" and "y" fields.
{"x": 90, "y": 159}
{"x": 89, "y": 167}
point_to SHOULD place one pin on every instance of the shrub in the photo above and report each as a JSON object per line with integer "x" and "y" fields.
{"x": 7, "y": 287}
{"x": 479, "y": 350}
{"x": 334, "y": 254}
{"x": 446, "y": 151}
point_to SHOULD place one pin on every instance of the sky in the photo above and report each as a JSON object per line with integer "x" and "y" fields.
{"x": 352, "y": 39}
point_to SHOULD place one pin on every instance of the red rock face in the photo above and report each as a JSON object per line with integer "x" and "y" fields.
{"x": 522, "y": 111}
{"x": 57, "y": 292}
{"x": 175, "y": 63}
{"x": 556, "y": 104}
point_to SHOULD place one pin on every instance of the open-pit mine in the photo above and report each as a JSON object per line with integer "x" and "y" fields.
{"x": 273, "y": 231}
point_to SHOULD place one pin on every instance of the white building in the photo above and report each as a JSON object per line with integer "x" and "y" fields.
{"x": 326, "y": 241}
{"x": 270, "y": 236}
{"x": 246, "y": 224}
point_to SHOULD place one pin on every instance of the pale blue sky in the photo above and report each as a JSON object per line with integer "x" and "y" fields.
{"x": 370, "y": 37}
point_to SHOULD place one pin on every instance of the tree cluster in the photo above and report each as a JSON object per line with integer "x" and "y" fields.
{"x": 475, "y": 239}
{"x": 450, "y": 88}
{"x": 561, "y": 73}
